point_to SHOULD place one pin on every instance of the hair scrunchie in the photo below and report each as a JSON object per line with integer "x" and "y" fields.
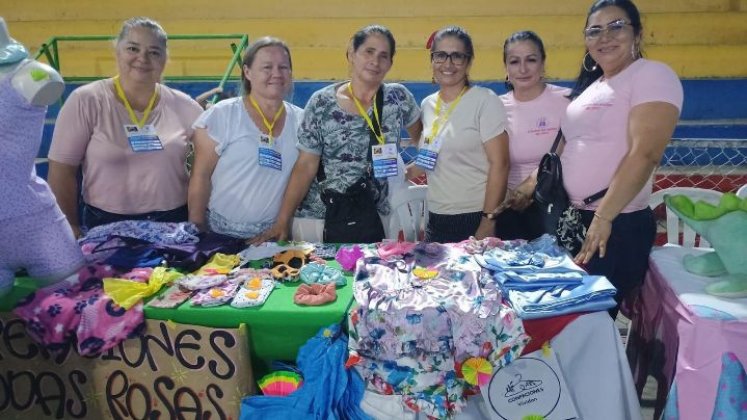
{"x": 315, "y": 294}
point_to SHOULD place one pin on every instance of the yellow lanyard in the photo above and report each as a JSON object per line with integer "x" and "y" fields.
{"x": 364, "y": 114}
{"x": 268, "y": 125}
{"x": 133, "y": 117}
{"x": 439, "y": 120}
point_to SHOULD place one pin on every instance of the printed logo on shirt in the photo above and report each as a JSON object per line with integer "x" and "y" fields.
{"x": 542, "y": 127}
{"x": 602, "y": 100}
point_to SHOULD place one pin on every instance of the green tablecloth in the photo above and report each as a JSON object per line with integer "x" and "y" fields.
{"x": 276, "y": 329}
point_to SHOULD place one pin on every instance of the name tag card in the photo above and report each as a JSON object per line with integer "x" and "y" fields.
{"x": 428, "y": 153}
{"x": 384, "y": 158}
{"x": 143, "y": 139}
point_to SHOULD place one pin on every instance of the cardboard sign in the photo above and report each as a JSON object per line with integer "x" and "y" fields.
{"x": 530, "y": 385}
{"x": 171, "y": 371}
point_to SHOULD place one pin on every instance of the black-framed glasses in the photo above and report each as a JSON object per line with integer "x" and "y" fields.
{"x": 612, "y": 29}
{"x": 458, "y": 58}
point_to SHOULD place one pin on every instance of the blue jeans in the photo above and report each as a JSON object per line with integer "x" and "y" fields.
{"x": 628, "y": 248}
{"x": 94, "y": 216}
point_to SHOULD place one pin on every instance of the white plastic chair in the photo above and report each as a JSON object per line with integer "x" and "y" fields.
{"x": 742, "y": 191}
{"x": 674, "y": 224}
{"x": 409, "y": 213}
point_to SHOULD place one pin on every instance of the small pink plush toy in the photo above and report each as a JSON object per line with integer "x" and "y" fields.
{"x": 35, "y": 233}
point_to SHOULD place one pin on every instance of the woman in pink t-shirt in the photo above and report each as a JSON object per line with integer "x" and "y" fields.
{"x": 533, "y": 110}
{"x": 129, "y": 135}
{"x": 622, "y": 115}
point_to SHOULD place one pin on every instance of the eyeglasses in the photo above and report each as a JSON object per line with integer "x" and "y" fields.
{"x": 458, "y": 58}
{"x": 613, "y": 29}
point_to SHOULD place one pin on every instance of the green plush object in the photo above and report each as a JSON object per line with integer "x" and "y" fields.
{"x": 725, "y": 228}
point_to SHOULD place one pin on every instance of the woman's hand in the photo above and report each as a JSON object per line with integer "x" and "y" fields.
{"x": 596, "y": 239}
{"x": 278, "y": 232}
{"x": 522, "y": 196}
{"x": 486, "y": 228}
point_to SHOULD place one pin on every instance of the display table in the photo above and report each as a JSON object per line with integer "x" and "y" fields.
{"x": 592, "y": 359}
{"x": 276, "y": 329}
{"x": 684, "y": 338}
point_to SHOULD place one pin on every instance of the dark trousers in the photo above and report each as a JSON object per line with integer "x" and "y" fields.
{"x": 628, "y": 248}
{"x": 445, "y": 228}
{"x": 94, "y": 216}
{"x": 512, "y": 224}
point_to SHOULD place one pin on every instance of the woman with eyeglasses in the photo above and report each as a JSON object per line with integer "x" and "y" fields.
{"x": 129, "y": 134}
{"x": 343, "y": 132}
{"x": 534, "y": 110}
{"x": 464, "y": 146}
{"x": 245, "y": 147}
{"x": 623, "y": 112}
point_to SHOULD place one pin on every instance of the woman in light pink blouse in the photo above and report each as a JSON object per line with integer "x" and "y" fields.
{"x": 129, "y": 134}
{"x": 623, "y": 112}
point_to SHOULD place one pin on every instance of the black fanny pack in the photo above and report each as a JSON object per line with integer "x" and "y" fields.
{"x": 351, "y": 217}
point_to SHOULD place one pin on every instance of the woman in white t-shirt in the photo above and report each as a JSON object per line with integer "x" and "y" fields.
{"x": 534, "y": 110}
{"x": 245, "y": 148}
{"x": 464, "y": 146}
{"x": 621, "y": 118}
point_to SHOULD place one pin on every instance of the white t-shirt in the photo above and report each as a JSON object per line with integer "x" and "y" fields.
{"x": 457, "y": 184}
{"x": 596, "y": 128}
{"x": 532, "y": 128}
{"x": 243, "y": 192}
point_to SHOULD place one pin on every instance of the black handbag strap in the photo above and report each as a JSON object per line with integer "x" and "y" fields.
{"x": 592, "y": 198}
{"x": 596, "y": 196}
{"x": 373, "y": 134}
{"x": 556, "y": 143}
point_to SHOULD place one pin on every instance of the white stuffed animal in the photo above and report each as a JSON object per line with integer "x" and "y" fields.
{"x": 34, "y": 234}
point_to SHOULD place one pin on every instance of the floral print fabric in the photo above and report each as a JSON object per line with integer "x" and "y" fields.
{"x": 410, "y": 332}
{"x": 342, "y": 140}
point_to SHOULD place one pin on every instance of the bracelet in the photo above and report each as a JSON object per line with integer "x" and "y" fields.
{"x": 602, "y": 218}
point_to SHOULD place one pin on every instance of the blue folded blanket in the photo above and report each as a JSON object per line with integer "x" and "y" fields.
{"x": 594, "y": 293}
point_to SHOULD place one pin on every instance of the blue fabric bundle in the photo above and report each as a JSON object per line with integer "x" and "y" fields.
{"x": 595, "y": 293}
{"x": 329, "y": 391}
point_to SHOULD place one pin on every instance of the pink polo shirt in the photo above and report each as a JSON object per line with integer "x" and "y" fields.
{"x": 90, "y": 132}
{"x": 596, "y": 127}
{"x": 532, "y": 127}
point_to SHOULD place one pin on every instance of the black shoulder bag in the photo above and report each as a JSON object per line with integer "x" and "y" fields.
{"x": 559, "y": 217}
{"x": 351, "y": 217}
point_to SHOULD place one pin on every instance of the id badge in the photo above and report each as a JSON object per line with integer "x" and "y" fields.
{"x": 384, "y": 158}
{"x": 143, "y": 139}
{"x": 270, "y": 158}
{"x": 428, "y": 153}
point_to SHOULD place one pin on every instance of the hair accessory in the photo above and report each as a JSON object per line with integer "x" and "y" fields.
{"x": 389, "y": 249}
{"x": 246, "y": 298}
{"x": 348, "y": 256}
{"x": 315, "y": 294}
{"x": 315, "y": 273}
{"x": 287, "y": 264}
{"x": 429, "y": 43}
{"x": 424, "y": 273}
{"x": 216, "y": 296}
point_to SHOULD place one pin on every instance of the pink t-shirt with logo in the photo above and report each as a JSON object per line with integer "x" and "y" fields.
{"x": 596, "y": 128}
{"x": 532, "y": 127}
{"x": 90, "y": 132}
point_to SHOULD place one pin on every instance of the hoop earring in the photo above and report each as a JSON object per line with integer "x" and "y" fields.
{"x": 583, "y": 63}
{"x": 635, "y": 51}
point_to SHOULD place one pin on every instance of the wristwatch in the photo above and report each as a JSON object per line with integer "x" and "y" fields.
{"x": 489, "y": 216}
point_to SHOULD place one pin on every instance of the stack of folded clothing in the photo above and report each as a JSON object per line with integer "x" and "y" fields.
{"x": 541, "y": 280}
